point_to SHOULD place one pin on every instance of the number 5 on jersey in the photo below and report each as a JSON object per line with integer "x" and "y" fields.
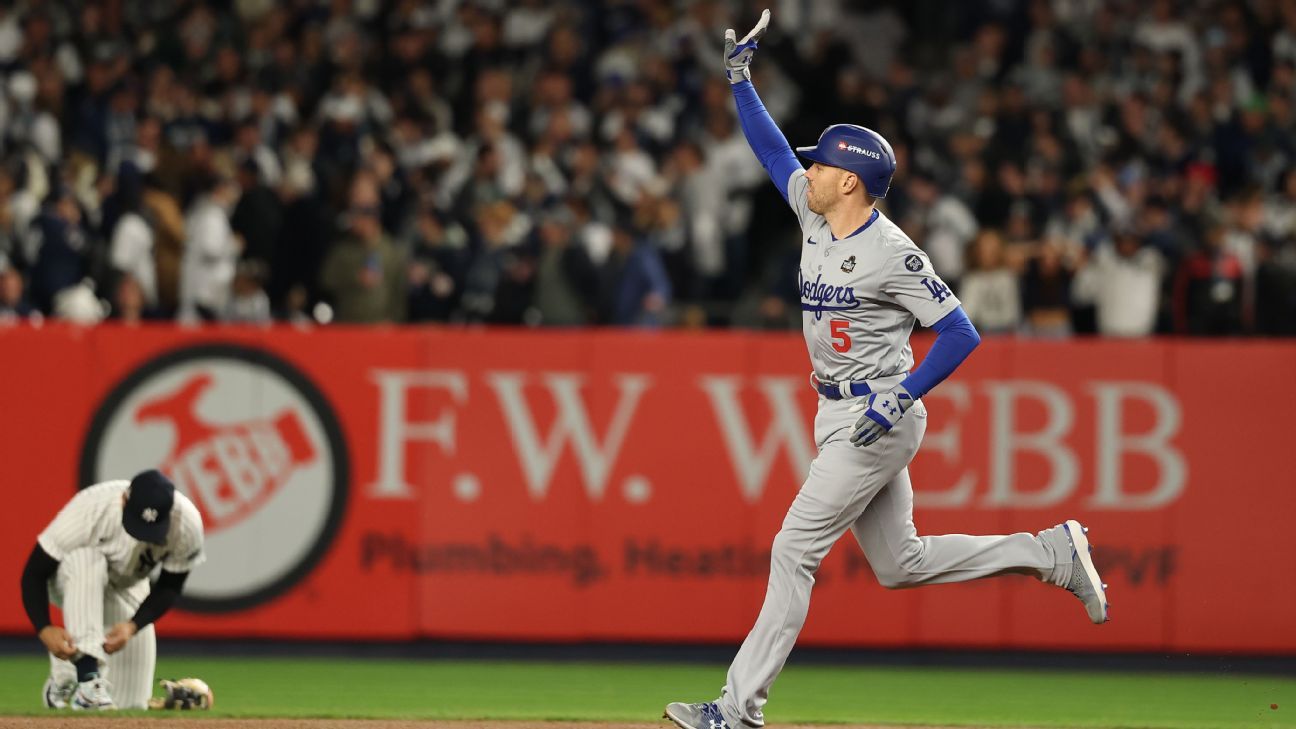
{"x": 841, "y": 341}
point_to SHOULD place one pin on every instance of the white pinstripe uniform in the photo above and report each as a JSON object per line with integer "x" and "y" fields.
{"x": 103, "y": 577}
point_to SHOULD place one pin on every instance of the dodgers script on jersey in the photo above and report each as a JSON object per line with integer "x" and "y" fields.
{"x": 93, "y": 519}
{"x": 860, "y": 295}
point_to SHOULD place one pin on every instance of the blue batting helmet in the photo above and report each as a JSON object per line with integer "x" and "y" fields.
{"x": 859, "y": 150}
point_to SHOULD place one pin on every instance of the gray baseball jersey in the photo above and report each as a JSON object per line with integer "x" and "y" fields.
{"x": 861, "y": 295}
{"x": 101, "y": 581}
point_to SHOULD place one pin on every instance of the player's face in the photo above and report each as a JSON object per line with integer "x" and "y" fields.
{"x": 821, "y": 192}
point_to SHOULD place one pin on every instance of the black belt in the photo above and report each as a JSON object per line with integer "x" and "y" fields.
{"x": 833, "y": 390}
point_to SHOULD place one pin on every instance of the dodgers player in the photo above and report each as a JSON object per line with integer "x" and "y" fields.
{"x": 93, "y": 560}
{"x": 863, "y": 284}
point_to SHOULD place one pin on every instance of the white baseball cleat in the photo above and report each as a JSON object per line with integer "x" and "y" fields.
{"x": 1085, "y": 582}
{"x": 92, "y": 695}
{"x": 705, "y": 715}
{"x": 55, "y": 695}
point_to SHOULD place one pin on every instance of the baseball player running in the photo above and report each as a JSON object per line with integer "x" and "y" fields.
{"x": 94, "y": 561}
{"x": 863, "y": 283}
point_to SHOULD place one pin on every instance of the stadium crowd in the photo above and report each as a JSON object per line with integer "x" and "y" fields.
{"x": 1071, "y": 166}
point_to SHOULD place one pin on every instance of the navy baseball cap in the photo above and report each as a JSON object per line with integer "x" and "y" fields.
{"x": 857, "y": 149}
{"x": 147, "y": 515}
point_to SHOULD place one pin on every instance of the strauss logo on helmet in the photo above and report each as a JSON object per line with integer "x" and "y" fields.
{"x": 858, "y": 150}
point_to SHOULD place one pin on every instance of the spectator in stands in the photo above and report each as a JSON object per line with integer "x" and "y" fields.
{"x": 565, "y": 277}
{"x": 779, "y": 305}
{"x": 1280, "y": 209}
{"x": 498, "y": 283}
{"x": 634, "y": 288}
{"x": 1208, "y": 295}
{"x": 211, "y": 250}
{"x": 258, "y": 217}
{"x": 1123, "y": 282}
{"x": 989, "y": 290}
{"x": 1053, "y": 122}
{"x": 248, "y": 301}
{"x": 166, "y": 219}
{"x": 1275, "y": 299}
{"x": 439, "y": 259}
{"x": 62, "y": 247}
{"x": 131, "y": 246}
{"x": 13, "y": 302}
{"x": 364, "y": 274}
{"x": 11, "y": 230}
{"x": 128, "y": 301}
{"x": 946, "y": 223}
{"x": 1046, "y": 292}
{"x": 304, "y": 238}
{"x": 251, "y": 149}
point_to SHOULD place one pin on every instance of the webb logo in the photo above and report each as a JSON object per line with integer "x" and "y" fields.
{"x": 229, "y": 471}
{"x": 858, "y": 150}
{"x": 251, "y": 442}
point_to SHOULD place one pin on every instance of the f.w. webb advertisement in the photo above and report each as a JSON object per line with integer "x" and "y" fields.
{"x": 510, "y": 485}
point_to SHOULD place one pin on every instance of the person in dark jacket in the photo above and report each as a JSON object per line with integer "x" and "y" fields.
{"x": 566, "y": 279}
{"x": 365, "y": 274}
{"x": 634, "y": 290}
{"x": 438, "y": 263}
{"x": 1208, "y": 289}
{"x": 258, "y": 216}
{"x": 62, "y": 258}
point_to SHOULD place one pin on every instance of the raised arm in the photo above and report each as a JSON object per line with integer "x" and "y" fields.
{"x": 769, "y": 144}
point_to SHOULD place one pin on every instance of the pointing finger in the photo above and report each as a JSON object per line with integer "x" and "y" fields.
{"x": 760, "y": 28}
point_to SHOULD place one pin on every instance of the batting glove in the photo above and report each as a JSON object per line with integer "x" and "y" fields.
{"x": 882, "y": 410}
{"x": 738, "y": 53}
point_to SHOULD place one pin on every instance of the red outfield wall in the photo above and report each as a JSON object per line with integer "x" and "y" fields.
{"x": 515, "y": 485}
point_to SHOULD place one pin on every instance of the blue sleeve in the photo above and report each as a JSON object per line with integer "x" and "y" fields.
{"x": 955, "y": 340}
{"x": 769, "y": 144}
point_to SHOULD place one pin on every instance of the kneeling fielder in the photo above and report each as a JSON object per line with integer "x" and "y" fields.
{"x": 93, "y": 561}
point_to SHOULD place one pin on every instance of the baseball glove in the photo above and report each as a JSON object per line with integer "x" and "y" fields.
{"x": 184, "y": 694}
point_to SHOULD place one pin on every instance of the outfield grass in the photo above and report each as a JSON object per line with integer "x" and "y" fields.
{"x": 637, "y": 692}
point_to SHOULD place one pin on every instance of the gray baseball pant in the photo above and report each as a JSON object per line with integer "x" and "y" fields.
{"x": 866, "y": 490}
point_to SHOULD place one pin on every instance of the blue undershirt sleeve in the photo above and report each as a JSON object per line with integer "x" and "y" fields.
{"x": 769, "y": 144}
{"x": 955, "y": 340}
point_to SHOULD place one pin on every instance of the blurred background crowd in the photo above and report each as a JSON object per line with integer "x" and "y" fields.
{"x": 1071, "y": 166}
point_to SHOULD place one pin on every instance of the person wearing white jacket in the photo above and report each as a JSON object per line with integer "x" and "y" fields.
{"x": 211, "y": 252}
{"x": 1123, "y": 281}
